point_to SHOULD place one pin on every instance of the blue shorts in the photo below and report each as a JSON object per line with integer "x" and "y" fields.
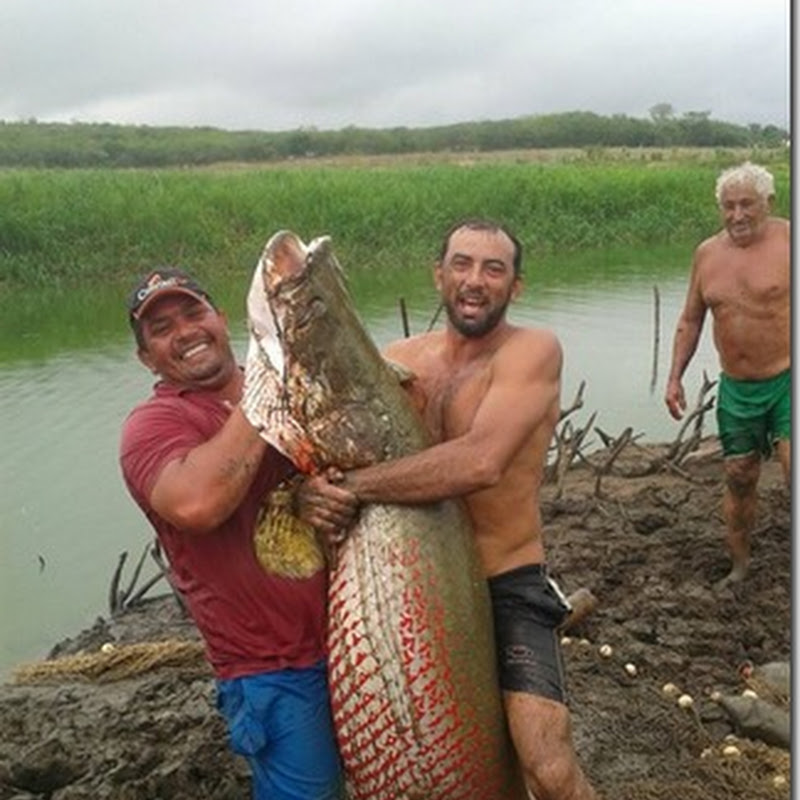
{"x": 281, "y": 723}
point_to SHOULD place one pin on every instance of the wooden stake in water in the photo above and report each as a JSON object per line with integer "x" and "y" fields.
{"x": 404, "y": 318}
{"x": 656, "y": 338}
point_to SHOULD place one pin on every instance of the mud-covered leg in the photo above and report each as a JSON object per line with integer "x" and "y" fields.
{"x": 784, "y": 448}
{"x": 739, "y": 503}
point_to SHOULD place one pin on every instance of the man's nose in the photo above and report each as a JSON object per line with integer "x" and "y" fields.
{"x": 475, "y": 276}
{"x": 738, "y": 211}
{"x": 183, "y": 326}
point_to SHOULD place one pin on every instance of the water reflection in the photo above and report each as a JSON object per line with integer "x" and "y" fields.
{"x": 68, "y": 377}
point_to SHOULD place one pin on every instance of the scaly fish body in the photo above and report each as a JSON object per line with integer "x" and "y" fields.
{"x": 412, "y": 668}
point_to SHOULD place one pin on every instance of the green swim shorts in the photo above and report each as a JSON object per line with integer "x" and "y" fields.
{"x": 753, "y": 415}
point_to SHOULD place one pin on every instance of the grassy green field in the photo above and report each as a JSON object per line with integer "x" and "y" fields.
{"x": 67, "y": 227}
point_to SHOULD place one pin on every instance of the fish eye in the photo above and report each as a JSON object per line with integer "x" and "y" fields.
{"x": 315, "y": 309}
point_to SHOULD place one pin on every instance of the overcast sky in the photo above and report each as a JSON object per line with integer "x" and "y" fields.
{"x": 283, "y": 64}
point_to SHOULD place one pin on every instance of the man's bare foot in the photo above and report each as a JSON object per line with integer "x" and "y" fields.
{"x": 736, "y": 575}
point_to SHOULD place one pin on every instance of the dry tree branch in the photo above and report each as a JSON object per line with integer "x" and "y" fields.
{"x": 618, "y": 445}
{"x": 679, "y": 449}
{"x": 563, "y": 435}
{"x": 123, "y": 598}
{"x": 114, "y": 599}
{"x": 155, "y": 552}
{"x": 576, "y": 403}
{"x": 569, "y": 445}
{"x": 136, "y": 598}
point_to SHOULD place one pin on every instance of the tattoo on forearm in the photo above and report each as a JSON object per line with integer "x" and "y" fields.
{"x": 237, "y": 467}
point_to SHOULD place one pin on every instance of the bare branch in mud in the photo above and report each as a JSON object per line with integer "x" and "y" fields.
{"x": 668, "y": 465}
{"x": 113, "y": 589}
{"x": 576, "y": 403}
{"x": 136, "y": 598}
{"x": 679, "y": 449}
{"x": 569, "y": 441}
{"x": 123, "y": 598}
{"x": 155, "y": 552}
{"x": 619, "y": 444}
{"x": 565, "y": 443}
{"x": 608, "y": 441}
{"x": 568, "y": 446}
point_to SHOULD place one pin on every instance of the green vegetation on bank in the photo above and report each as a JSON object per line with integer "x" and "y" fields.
{"x": 67, "y": 227}
{"x": 80, "y": 144}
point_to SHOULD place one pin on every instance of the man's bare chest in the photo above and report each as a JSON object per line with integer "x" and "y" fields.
{"x": 741, "y": 282}
{"x": 453, "y": 398}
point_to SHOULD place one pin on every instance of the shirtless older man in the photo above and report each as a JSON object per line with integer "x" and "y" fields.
{"x": 490, "y": 393}
{"x": 742, "y": 274}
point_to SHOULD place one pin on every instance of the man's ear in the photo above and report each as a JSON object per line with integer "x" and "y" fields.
{"x": 437, "y": 275}
{"x": 144, "y": 357}
{"x": 516, "y": 287}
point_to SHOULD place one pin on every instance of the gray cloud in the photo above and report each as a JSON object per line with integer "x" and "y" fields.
{"x": 277, "y": 65}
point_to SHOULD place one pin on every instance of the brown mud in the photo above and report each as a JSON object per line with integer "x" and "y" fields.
{"x": 649, "y": 548}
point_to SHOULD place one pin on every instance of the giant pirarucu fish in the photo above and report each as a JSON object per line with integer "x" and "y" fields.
{"x": 413, "y": 682}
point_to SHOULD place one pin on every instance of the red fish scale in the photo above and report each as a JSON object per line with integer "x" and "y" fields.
{"x": 402, "y": 733}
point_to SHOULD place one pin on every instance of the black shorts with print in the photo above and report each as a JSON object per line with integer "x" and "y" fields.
{"x": 528, "y": 607}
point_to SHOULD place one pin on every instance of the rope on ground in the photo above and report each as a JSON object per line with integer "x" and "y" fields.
{"x": 114, "y": 662}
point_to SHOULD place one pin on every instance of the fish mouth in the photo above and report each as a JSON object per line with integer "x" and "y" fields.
{"x": 279, "y": 283}
{"x": 285, "y": 261}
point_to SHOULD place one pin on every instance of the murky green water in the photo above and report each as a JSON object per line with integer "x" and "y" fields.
{"x": 68, "y": 377}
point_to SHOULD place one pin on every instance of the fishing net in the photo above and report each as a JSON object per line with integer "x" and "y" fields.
{"x": 663, "y": 751}
{"x": 115, "y": 662}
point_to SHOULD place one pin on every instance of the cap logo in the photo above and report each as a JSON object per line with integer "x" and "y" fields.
{"x": 155, "y": 284}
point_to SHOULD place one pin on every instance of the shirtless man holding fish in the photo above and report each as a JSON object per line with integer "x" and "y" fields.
{"x": 489, "y": 392}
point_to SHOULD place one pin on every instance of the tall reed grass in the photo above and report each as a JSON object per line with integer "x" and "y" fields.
{"x": 63, "y": 228}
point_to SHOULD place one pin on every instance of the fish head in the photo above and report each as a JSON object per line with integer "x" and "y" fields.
{"x": 283, "y": 305}
{"x": 295, "y": 310}
{"x": 296, "y": 282}
{"x": 333, "y": 388}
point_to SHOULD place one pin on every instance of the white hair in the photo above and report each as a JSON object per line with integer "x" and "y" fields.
{"x": 747, "y": 174}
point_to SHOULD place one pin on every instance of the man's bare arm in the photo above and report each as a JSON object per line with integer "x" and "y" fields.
{"x": 521, "y": 394}
{"x": 201, "y": 490}
{"x": 687, "y": 337}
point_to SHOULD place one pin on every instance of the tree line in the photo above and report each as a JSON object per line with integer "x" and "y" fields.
{"x": 32, "y": 143}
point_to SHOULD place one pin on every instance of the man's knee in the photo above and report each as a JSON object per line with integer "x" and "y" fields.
{"x": 741, "y": 475}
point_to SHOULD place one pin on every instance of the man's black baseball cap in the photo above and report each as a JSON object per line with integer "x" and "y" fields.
{"x": 160, "y": 282}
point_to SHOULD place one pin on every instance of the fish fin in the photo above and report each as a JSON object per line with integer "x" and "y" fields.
{"x": 284, "y": 544}
{"x": 403, "y": 373}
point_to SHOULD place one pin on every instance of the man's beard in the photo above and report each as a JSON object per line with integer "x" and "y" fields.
{"x": 475, "y": 328}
